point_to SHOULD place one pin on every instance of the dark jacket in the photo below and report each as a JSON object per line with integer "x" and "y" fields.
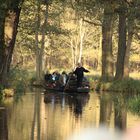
{"x": 80, "y": 71}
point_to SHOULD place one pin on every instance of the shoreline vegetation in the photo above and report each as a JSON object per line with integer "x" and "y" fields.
{"x": 128, "y": 89}
{"x": 129, "y": 85}
{"x": 126, "y": 85}
{"x": 20, "y": 79}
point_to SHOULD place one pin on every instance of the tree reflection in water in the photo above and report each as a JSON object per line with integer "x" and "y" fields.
{"x": 3, "y": 124}
{"x": 120, "y": 112}
{"x": 113, "y": 104}
{"x": 105, "y": 109}
{"x": 36, "y": 117}
{"x": 56, "y": 116}
{"x": 75, "y": 101}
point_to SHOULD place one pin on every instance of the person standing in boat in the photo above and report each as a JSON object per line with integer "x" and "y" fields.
{"x": 79, "y": 72}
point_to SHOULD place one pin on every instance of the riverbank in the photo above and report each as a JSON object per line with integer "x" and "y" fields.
{"x": 129, "y": 85}
{"x": 125, "y": 85}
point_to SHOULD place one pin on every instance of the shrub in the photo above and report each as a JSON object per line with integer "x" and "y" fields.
{"x": 19, "y": 79}
{"x": 128, "y": 86}
{"x": 8, "y": 92}
{"x": 134, "y": 105}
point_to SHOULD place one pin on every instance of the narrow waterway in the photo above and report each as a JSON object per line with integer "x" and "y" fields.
{"x": 56, "y": 116}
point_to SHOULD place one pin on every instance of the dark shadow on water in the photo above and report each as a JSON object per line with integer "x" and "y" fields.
{"x": 36, "y": 117}
{"x": 116, "y": 103}
{"x": 3, "y": 124}
{"x": 75, "y": 101}
{"x": 78, "y": 101}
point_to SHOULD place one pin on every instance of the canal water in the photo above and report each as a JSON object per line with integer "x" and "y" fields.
{"x": 56, "y": 116}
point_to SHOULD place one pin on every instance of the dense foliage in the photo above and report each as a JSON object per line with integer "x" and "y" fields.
{"x": 52, "y": 34}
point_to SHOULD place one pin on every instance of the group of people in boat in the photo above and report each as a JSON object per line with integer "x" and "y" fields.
{"x": 56, "y": 79}
{"x": 60, "y": 80}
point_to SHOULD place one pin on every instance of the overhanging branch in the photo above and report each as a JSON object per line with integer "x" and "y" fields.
{"x": 93, "y": 23}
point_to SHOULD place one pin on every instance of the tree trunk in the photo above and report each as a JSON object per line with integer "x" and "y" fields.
{"x": 72, "y": 53}
{"x": 107, "y": 31}
{"x": 129, "y": 42}
{"x": 76, "y": 52}
{"x": 44, "y": 33}
{"x": 40, "y": 50}
{"x": 2, "y": 45}
{"x": 82, "y": 32}
{"x": 7, "y": 44}
{"x": 37, "y": 52}
{"x": 121, "y": 45}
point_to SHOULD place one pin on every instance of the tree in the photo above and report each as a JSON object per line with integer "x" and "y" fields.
{"x": 131, "y": 27}
{"x": 121, "y": 44}
{"x": 9, "y": 22}
{"x": 39, "y": 51}
{"x": 107, "y": 33}
{"x": 122, "y": 67}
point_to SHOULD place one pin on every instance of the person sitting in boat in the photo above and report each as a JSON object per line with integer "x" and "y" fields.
{"x": 55, "y": 78}
{"x": 47, "y": 77}
{"x": 79, "y": 72}
{"x": 57, "y": 75}
{"x": 63, "y": 79}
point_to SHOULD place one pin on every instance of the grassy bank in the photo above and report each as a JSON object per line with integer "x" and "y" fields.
{"x": 130, "y": 85}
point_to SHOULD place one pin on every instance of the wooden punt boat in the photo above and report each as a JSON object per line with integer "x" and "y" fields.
{"x": 71, "y": 86}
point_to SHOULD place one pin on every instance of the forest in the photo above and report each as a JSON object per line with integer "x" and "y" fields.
{"x": 46, "y": 35}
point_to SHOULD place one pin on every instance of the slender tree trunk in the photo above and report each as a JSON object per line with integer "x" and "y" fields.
{"x": 107, "y": 32}
{"x": 72, "y": 53}
{"x": 8, "y": 42}
{"x": 121, "y": 44}
{"x": 44, "y": 34}
{"x": 76, "y": 52}
{"x": 2, "y": 42}
{"x": 82, "y": 32}
{"x": 129, "y": 42}
{"x": 37, "y": 52}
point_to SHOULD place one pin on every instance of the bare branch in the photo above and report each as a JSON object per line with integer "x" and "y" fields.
{"x": 93, "y": 23}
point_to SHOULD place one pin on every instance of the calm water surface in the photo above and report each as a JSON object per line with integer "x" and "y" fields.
{"x": 55, "y": 116}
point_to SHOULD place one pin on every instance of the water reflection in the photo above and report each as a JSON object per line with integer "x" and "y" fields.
{"x": 106, "y": 107}
{"x": 75, "y": 101}
{"x": 55, "y": 116}
{"x": 3, "y": 124}
{"x": 35, "y": 130}
{"x": 120, "y": 115}
{"x": 113, "y": 106}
